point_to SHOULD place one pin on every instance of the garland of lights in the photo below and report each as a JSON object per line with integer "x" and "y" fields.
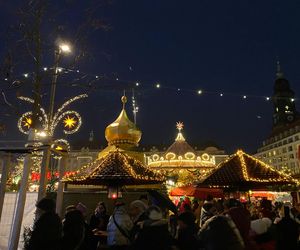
{"x": 157, "y": 85}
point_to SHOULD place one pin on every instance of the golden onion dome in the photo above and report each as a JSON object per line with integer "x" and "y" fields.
{"x": 122, "y": 130}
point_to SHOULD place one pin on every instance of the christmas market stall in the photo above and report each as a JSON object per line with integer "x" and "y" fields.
{"x": 242, "y": 172}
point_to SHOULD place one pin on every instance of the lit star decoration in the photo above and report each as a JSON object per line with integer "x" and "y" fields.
{"x": 179, "y": 125}
{"x": 27, "y": 122}
{"x": 70, "y": 122}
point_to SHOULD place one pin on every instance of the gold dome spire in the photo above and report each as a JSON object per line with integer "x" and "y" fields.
{"x": 122, "y": 130}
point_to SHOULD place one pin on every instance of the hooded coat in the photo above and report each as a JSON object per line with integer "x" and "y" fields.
{"x": 114, "y": 236}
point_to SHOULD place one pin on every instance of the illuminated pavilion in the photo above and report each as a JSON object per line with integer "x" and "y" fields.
{"x": 243, "y": 172}
{"x": 119, "y": 164}
{"x": 181, "y": 164}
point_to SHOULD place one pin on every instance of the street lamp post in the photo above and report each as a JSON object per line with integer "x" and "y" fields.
{"x": 62, "y": 48}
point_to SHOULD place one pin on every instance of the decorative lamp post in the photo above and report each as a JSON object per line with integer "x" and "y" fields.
{"x": 70, "y": 119}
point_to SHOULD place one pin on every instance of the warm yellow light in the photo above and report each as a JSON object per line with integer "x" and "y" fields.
{"x": 69, "y": 122}
{"x": 27, "y": 122}
{"x": 42, "y": 133}
{"x": 59, "y": 148}
{"x": 199, "y": 91}
{"x": 65, "y": 48}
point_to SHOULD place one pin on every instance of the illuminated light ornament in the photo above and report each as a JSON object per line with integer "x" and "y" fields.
{"x": 70, "y": 122}
{"x": 199, "y": 92}
{"x": 157, "y": 85}
{"x": 292, "y": 99}
{"x": 221, "y": 94}
{"x": 25, "y": 122}
{"x": 70, "y": 118}
{"x": 244, "y": 97}
{"x": 267, "y": 98}
{"x": 61, "y": 144}
{"x": 137, "y": 84}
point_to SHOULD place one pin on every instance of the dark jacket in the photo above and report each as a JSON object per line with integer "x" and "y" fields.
{"x": 99, "y": 222}
{"x": 287, "y": 233}
{"x": 220, "y": 233}
{"x": 153, "y": 234}
{"x": 187, "y": 238}
{"x": 46, "y": 233}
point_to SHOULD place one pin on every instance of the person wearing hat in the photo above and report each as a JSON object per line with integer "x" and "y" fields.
{"x": 47, "y": 228}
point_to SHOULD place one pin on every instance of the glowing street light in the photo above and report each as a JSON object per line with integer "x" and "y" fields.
{"x": 65, "y": 48}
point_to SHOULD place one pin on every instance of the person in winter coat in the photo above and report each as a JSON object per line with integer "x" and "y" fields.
{"x": 118, "y": 228}
{"x": 98, "y": 222}
{"x": 137, "y": 211}
{"x": 47, "y": 229}
{"x": 73, "y": 230}
{"x": 187, "y": 231}
{"x": 220, "y": 233}
{"x": 242, "y": 219}
{"x": 287, "y": 232}
{"x": 153, "y": 233}
{"x": 208, "y": 210}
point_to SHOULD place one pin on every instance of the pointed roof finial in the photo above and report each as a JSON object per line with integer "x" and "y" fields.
{"x": 124, "y": 99}
{"x": 179, "y": 126}
{"x": 279, "y": 73}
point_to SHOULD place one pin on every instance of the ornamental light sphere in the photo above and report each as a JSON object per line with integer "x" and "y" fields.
{"x": 157, "y": 85}
{"x": 199, "y": 92}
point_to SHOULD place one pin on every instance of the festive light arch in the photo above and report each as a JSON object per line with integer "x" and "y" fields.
{"x": 70, "y": 118}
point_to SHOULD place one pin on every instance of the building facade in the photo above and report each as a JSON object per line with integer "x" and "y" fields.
{"x": 281, "y": 148}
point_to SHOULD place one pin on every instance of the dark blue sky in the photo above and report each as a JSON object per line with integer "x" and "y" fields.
{"x": 217, "y": 46}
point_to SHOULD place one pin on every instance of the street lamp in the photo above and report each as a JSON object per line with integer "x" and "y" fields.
{"x": 63, "y": 48}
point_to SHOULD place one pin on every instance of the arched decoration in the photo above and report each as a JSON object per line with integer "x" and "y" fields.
{"x": 189, "y": 156}
{"x": 155, "y": 157}
{"x": 205, "y": 157}
{"x": 170, "y": 156}
{"x": 61, "y": 144}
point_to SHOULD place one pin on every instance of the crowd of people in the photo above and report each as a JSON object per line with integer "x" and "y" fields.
{"x": 198, "y": 225}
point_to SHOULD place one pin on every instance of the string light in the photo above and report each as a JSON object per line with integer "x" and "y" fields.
{"x": 136, "y": 84}
{"x": 199, "y": 91}
{"x": 96, "y": 170}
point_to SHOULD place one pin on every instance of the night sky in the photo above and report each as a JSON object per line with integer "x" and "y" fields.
{"x": 228, "y": 47}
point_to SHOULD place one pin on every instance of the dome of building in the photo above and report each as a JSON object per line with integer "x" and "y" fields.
{"x": 122, "y": 131}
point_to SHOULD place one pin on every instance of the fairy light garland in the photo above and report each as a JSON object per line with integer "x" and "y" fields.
{"x": 158, "y": 86}
{"x": 131, "y": 166}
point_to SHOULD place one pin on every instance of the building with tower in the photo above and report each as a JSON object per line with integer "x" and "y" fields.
{"x": 281, "y": 148}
